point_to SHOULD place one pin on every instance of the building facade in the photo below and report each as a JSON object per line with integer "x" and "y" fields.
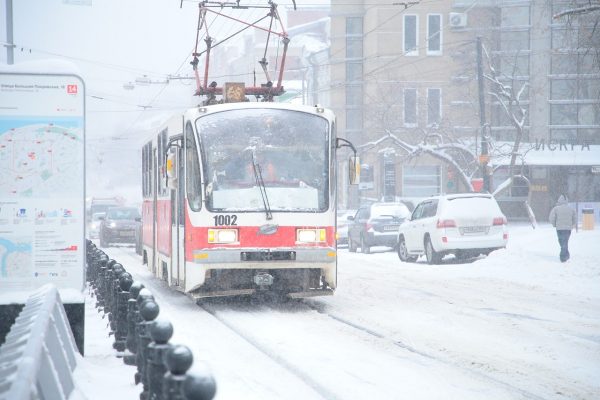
{"x": 409, "y": 71}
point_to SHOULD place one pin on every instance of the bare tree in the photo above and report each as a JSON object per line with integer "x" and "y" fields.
{"x": 510, "y": 95}
{"x": 590, "y": 8}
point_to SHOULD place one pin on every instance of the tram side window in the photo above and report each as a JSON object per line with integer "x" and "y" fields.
{"x": 162, "y": 153}
{"x": 147, "y": 170}
{"x": 192, "y": 178}
{"x": 144, "y": 171}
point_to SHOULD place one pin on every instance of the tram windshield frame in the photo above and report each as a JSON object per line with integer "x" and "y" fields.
{"x": 287, "y": 152}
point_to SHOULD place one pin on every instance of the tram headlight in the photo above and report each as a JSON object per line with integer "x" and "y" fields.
{"x": 222, "y": 236}
{"x": 311, "y": 235}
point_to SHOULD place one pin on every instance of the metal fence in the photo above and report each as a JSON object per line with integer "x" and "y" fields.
{"x": 140, "y": 338}
{"x": 38, "y": 357}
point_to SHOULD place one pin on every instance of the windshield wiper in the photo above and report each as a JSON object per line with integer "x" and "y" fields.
{"x": 261, "y": 185}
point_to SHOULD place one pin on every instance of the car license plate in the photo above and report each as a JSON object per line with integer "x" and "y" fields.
{"x": 469, "y": 230}
{"x": 390, "y": 228}
{"x": 126, "y": 233}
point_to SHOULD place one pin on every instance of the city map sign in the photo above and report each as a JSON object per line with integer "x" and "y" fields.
{"x": 42, "y": 183}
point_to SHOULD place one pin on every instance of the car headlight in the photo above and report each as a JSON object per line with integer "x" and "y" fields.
{"x": 112, "y": 224}
{"x": 311, "y": 235}
{"x": 222, "y": 236}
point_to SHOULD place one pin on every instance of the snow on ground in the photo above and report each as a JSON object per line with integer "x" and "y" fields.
{"x": 100, "y": 375}
{"x": 516, "y": 324}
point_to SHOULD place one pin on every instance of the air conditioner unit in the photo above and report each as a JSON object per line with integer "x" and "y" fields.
{"x": 457, "y": 20}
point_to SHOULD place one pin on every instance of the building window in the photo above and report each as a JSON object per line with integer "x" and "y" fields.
{"x": 421, "y": 180}
{"x": 514, "y": 64}
{"x": 563, "y": 64}
{"x": 354, "y": 26}
{"x": 410, "y": 107}
{"x": 354, "y": 71}
{"x": 354, "y": 68}
{"x": 514, "y": 40}
{"x": 500, "y": 118}
{"x": 354, "y": 47}
{"x": 434, "y": 34}
{"x": 564, "y": 38}
{"x": 563, "y": 134}
{"x": 563, "y": 114}
{"x": 514, "y": 16}
{"x": 434, "y": 106}
{"x": 354, "y": 95}
{"x": 354, "y": 119}
{"x": 563, "y": 89}
{"x": 588, "y": 136}
{"x": 411, "y": 35}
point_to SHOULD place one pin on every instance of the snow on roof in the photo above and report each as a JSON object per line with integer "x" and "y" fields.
{"x": 67, "y": 296}
{"x": 554, "y": 153}
{"x": 310, "y": 27}
{"x": 44, "y": 66}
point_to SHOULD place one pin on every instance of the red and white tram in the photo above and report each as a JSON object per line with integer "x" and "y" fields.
{"x": 241, "y": 198}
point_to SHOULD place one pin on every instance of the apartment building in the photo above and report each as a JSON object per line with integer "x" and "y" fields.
{"x": 405, "y": 74}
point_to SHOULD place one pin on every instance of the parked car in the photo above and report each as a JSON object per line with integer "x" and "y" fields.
{"x": 376, "y": 225}
{"x": 119, "y": 226}
{"x": 342, "y": 226}
{"x": 94, "y": 225}
{"x": 466, "y": 225}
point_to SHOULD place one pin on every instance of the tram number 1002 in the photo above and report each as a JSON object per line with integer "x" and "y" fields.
{"x": 224, "y": 220}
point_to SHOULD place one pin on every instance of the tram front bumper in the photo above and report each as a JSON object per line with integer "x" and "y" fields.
{"x": 232, "y": 258}
{"x": 270, "y": 262}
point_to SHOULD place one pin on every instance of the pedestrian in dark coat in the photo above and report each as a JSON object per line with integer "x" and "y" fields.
{"x": 564, "y": 219}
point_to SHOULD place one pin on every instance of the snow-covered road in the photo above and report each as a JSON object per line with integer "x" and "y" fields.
{"x": 517, "y": 324}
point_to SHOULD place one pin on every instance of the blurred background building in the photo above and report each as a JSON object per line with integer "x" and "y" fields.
{"x": 406, "y": 73}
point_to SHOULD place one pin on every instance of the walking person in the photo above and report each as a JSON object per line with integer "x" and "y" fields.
{"x": 564, "y": 219}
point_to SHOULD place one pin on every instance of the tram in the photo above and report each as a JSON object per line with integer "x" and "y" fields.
{"x": 240, "y": 198}
{"x": 239, "y": 195}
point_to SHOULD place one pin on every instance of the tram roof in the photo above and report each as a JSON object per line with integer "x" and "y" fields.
{"x": 317, "y": 109}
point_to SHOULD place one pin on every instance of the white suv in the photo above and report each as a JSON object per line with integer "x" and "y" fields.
{"x": 465, "y": 225}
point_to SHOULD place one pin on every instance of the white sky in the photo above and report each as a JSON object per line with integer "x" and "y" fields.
{"x": 114, "y": 42}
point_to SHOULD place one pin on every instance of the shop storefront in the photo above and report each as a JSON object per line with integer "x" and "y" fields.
{"x": 554, "y": 169}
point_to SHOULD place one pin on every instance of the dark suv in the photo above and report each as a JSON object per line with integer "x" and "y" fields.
{"x": 376, "y": 225}
{"x": 119, "y": 226}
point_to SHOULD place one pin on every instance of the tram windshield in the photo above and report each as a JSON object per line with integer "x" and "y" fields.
{"x": 250, "y": 153}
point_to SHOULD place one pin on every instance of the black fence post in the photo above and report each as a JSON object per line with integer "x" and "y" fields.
{"x": 125, "y": 282}
{"x": 199, "y": 387}
{"x": 100, "y": 282}
{"x": 178, "y": 360}
{"x": 161, "y": 331}
{"x": 133, "y": 316}
{"x": 148, "y": 310}
{"x": 131, "y": 309}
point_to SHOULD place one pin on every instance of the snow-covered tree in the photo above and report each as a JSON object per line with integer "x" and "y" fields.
{"x": 510, "y": 94}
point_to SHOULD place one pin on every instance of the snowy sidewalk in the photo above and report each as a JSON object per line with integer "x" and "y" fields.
{"x": 100, "y": 374}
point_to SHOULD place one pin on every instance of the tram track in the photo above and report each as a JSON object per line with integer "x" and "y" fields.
{"x": 223, "y": 314}
{"x": 326, "y": 393}
{"x": 424, "y": 354}
{"x": 159, "y": 288}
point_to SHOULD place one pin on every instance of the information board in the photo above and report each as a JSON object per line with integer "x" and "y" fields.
{"x": 42, "y": 183}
